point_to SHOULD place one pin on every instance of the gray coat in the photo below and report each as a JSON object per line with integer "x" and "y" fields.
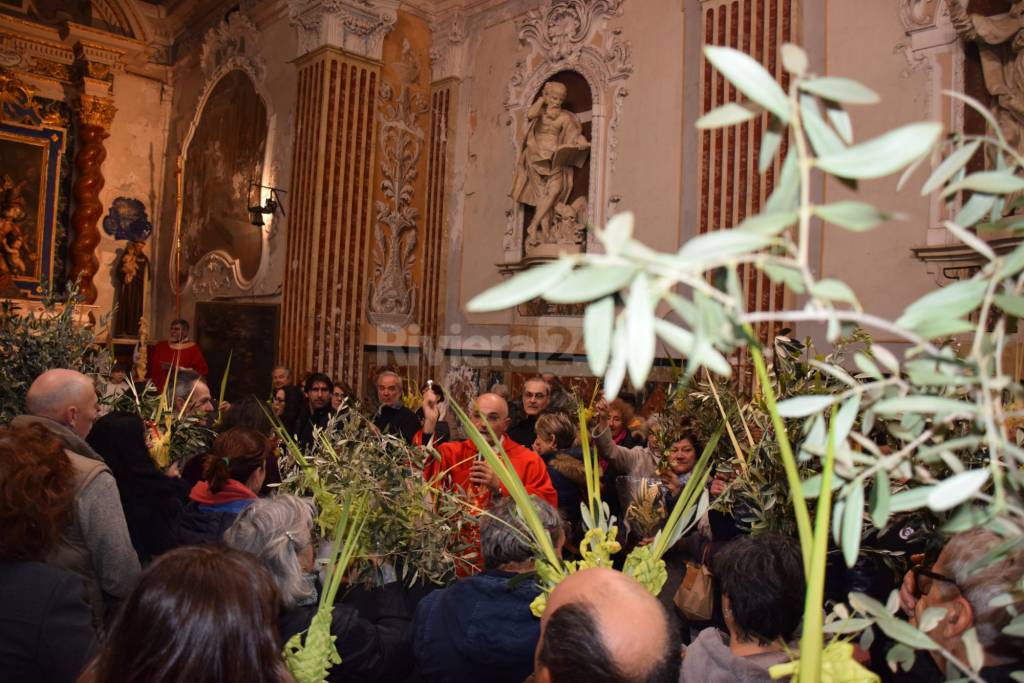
{"x": 709, "y": 660}
{"x": 98, "y": 545}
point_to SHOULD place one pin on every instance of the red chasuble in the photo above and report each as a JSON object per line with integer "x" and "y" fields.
{"x": 164, "y": 356}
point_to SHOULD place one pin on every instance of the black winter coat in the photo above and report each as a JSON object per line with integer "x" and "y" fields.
{"x": 46, "y": 632}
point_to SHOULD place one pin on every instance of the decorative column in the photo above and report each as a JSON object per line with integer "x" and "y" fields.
{"x": 95, "y": 115}
{"x": 328, "y": 266}
{"x": 731, "y": 186}
{"x": 94, "y": 68}
{"x": 447, "y": 60}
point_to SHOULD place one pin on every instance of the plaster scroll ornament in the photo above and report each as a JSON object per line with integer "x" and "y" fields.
{"x": 553, "y": 146}
{"x": 1000, "y": 42}
{"x": 231, "y": 41}
{"x": 393, "y": 291}
{"x": 562, "y": 27}
{"x": 917, "y": 14}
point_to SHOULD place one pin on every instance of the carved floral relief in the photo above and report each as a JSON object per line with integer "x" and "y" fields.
{"x": 393, "y": 291}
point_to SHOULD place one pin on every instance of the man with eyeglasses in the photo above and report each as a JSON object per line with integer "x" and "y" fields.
{"x": 962, "y": 584}
{"x": 536, "y": 395}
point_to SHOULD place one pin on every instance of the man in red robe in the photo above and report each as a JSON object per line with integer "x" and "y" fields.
{"x": 466, "y": 471}
{"x": 178, "y": 351}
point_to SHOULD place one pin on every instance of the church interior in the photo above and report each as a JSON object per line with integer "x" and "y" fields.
{"x": 307, "y": 222}
{"x": 326, "y": 184}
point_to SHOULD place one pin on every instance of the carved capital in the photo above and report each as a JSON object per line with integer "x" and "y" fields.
{"x": 356, "y": 26}
{"x": 95, "y": 111}
{"x": 447, "y": 56}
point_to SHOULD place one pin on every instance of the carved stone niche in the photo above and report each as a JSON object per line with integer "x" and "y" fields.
{"x": 571, "y": 44}
{"x": 228, "y": 144}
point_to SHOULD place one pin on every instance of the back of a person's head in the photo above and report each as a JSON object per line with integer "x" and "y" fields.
{"x": 249, "y": 412}
{"x": 120, "y": 439}
{"x": 37, "y": 491}
{"x": 558, "y": 426}
{"x": 276, "y": 530}
{"x": 184, "y": 381}
{"x": 573, "y": 650}
{"x": 503, "y": 533}
{"x": 763, "y": 577}
{"x": 197, "y": 614}
{"x": 236, "y": 454}
{"x": 964, "y": 559}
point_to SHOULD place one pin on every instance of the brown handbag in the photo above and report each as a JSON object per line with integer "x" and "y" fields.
{"x": 695, "y": 596}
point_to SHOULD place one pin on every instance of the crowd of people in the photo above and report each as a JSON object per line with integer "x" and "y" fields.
{"x": 113, "y": 569}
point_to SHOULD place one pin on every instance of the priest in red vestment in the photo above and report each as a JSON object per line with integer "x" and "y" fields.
{"x": 465, "y": 471}
{"x": 178, "y": 351}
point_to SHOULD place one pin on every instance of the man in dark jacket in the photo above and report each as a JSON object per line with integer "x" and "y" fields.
{"x": 480, "y": 628}
{"x": 536, "y": 395}
{"x": 317, "y": 414}
{"x": 392, "y": 417}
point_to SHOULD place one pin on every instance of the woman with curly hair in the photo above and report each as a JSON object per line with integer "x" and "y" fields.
{"x": 202, "y": 614}
{"x": 42, "y": 607}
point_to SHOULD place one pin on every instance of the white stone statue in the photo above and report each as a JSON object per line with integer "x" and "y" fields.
{"x": 553, "y": 146}
{"x": 1001, "y": 46}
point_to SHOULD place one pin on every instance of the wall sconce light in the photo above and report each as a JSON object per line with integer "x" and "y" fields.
{"x": 271, "y": 206}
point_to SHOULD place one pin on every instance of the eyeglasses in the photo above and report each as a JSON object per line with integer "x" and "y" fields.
{"x": 539, "y": 394}
{"x": 925, "y": 578}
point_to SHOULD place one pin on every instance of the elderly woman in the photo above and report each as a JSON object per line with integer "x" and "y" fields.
{"x": 620, "y": 419}
{"x": 279, "y": 531}
{"x": 761, "y": 583}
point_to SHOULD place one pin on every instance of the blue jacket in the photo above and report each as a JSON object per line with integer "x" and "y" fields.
{"x": 480, "y": 628}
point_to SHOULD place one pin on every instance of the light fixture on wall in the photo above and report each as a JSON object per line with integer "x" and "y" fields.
{"x": 272, "y": 205}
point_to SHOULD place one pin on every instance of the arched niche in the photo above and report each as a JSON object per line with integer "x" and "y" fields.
{"x": 224, "y": 151}
{"x": 565, "y": 230}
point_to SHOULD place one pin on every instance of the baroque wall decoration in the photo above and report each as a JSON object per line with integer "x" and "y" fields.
{"x": 356, "y": 26}
{"x": 231, "y": 137}
{"x": 570, "y": 37}
{"x": 225, "y": 150}
{"x": 393, "y": 293}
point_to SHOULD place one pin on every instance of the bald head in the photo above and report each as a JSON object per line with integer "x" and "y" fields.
{"x": 490, "y": 410}
{"x": 631, "y": 640}
{"x": 64, "y": 396}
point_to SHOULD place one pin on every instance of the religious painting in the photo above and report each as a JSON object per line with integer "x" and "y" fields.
{"x": 224, "y": 155}
{"x": 247, "y": 333}
{"x": 30, "y": 161}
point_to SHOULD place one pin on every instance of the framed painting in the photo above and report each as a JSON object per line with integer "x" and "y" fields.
{"x": 30, "y": 180}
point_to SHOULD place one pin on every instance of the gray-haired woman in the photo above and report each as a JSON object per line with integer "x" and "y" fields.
{"x": 279, "y": 531}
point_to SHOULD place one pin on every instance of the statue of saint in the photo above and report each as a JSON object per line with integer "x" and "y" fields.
{"x": 1001, "y": 46}
{"x": 132, "y": 272}
{"x": 554, "y": 144}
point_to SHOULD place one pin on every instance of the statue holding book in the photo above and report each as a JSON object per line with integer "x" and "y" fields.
{"x": 554, "y": 145}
